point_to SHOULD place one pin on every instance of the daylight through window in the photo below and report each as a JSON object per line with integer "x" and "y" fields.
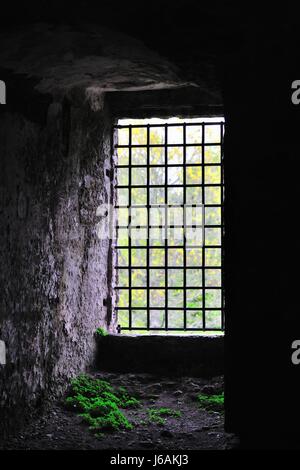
{"x": 169, "y": 225}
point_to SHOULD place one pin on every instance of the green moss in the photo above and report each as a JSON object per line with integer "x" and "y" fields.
{"x": 157, "y": 415}
{"x": 98, "y": 403}
{"x": 101, "y": 332}
{"x": 125, "y": 400}
{"x": 111, "y": 421}
{"x": 211, "y": 402}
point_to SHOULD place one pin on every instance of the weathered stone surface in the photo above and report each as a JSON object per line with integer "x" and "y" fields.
{"x": 169, "y": 355}
{"x": 91, "y": 58}
{"x": 55, "y": 275}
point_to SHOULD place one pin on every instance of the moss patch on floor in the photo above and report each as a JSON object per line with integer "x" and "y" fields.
{"x": 61, "y": 429}
{"x": 211, "y": 402}
{"x": 100, "y": 404}
{"x": 158, "y": 415}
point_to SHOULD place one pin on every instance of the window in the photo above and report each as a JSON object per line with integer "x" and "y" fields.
{"x": 169, "y": 225}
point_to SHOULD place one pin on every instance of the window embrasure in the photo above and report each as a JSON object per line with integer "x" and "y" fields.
{"x": 169, "y": 225}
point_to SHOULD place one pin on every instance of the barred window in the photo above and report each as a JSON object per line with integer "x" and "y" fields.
{"x": 169, "y": 225}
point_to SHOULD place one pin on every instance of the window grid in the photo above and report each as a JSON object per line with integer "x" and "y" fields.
{"x": 183, "y": 309}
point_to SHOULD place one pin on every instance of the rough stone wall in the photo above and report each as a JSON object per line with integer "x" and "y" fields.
{"x": 54, "y": 276}
{"x": 166, "y": 355}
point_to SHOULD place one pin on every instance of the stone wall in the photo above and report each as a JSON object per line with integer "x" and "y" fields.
{"x": 184, "y": 355}
{"x": 54, "y": 267}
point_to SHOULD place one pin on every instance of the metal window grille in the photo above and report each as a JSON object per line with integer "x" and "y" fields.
{"x": 169, "y": 226}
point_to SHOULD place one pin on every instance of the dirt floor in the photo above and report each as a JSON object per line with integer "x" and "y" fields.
{"x": 196, "y": 428}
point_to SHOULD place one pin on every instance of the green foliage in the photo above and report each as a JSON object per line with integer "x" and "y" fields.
{"x": 125, "y": 400}
{"x": 157, "y": 415}
{"x": 211, "y": 402}
{"x": 111, "y": 421}
{"x": 98, "y": 403}
{"x": 101, "y": 332}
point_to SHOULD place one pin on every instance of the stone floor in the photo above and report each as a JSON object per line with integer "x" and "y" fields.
{"x": 196, "y": 428}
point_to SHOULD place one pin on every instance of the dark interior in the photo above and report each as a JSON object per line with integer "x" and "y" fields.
{"x": 70, "y": 73}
